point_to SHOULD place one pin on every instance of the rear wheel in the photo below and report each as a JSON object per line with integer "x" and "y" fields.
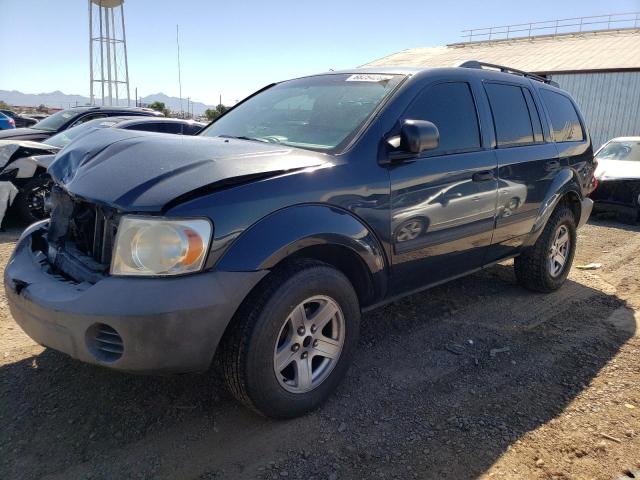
{"x": 292, "y": 340}
{"x": 545, "y": 265}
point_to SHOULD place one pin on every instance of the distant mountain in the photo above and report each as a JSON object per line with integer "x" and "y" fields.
{"x": 173, "y": 103}
{"x": 55, "y": 99}
{"x": 58, "y": 99}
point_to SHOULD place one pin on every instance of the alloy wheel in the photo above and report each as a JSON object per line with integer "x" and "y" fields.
{"x": 559, "y": 251}
{"x": 309, "y": 344}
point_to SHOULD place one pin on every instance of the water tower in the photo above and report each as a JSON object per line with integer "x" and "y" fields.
{"x": 108, "y": 66}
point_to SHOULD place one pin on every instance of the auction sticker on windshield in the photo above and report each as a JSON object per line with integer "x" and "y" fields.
{"x": 367, "y": 77}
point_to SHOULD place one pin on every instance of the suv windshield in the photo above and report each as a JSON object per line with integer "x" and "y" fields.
{"x": 621, "y": 150}
{"x": 317, "y": 113}
{"x": 65, "y": 137}
{"x": 55, "y": 121}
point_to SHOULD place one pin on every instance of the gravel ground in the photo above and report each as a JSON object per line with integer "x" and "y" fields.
{"x": 477, "y": 378}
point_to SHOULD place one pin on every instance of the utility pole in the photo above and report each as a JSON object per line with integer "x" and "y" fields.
{"x": 179, "y": 75}
{"x": 136, "y": 96}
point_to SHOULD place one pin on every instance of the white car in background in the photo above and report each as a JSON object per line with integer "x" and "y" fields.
{"x": 618, "y": 178}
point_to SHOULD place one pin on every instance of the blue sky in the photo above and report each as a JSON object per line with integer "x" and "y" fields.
{"x": 234, "y": 48}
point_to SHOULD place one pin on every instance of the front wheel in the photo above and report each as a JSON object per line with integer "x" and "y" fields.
{"x": 545, "y": 265}
{"x": 292, "y": 340}
{"x": 32, "y": 197}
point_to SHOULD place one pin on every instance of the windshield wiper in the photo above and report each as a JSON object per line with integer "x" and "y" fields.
{"x": 243, "y": 137}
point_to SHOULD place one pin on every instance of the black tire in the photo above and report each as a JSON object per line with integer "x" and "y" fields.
{"x": 532, "y": 267}
{"x": 24, "y": 201}
{"x": 247, "y": 351}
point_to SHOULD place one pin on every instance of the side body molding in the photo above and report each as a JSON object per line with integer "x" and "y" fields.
{"x": 566, "y": 181}
{"x": 291, "y": 229}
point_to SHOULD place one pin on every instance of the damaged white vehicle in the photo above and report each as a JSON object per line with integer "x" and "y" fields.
{"x": 24, "y": 162}
{"x": 618, "y": 178}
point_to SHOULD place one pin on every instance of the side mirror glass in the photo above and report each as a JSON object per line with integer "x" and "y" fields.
{"x": 417, "y": 136}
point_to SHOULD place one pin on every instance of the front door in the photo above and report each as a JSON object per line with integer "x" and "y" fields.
{"x": 444, "y": 202}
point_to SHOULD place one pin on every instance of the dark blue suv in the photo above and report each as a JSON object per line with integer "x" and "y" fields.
{"x": 257, "y": 244}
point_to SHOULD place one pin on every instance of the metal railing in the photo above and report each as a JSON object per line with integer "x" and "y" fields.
{"x": 613, "y": 21}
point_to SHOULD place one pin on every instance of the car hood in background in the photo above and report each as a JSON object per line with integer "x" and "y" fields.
{"x": 618, "y": 170}
{"x": 25, "y": 134}
{"x": 44, "y": 161}
{"x": 138, "y": 171}
{"x": 11, "y": 150}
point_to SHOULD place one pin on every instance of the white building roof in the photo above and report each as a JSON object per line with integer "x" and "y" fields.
{"x": 602, "y": 50}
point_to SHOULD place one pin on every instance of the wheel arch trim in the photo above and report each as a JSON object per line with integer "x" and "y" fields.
{"x": 288, "y": 231}
{"x": 565, "y": 184}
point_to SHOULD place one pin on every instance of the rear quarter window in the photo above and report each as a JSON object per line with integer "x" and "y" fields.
{"x": 565, "y": 123}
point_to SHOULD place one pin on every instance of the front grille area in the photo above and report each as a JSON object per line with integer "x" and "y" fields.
{"x": 104, "y": 342}
{"x": 617, "y": 191}
{"x": 82, "y": 235}
{"x": 92, "y": 231}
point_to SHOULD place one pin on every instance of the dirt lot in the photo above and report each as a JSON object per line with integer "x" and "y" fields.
{"x": 426, "y": 398}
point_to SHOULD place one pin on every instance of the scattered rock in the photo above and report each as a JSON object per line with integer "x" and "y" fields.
{"x": 494, "y": 351}
{"x": 601, "y": 446}
{"x": 455, "y": 348}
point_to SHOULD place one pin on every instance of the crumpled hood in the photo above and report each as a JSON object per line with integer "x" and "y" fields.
{"x": 139, "y": 171}
{"x": 617, "y": 170}
{"x": 12, "y": 149}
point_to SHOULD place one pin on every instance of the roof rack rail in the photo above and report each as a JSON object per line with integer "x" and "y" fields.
{"x": 502, "y": 68}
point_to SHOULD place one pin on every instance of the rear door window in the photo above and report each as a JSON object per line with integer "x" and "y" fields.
{"x": 510, "y": 115}
{"x": 450, "y": 107}
{"x": 146, "y": 127}
{"x": 172, "y": 127}
{"x": 87, "y": 118}
{"x": 191, "y": 129}
{"x": 565, "y": 123}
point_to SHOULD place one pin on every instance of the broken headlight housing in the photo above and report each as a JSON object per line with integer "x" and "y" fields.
{"x": 152, "y": 246}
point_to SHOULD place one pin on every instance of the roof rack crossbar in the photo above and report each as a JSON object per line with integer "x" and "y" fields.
{"x": 503, "y": 69}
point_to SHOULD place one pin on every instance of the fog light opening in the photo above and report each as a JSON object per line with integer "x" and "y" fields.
{"x": 104, "y": 342}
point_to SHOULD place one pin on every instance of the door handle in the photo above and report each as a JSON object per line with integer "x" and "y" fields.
{"x": 552, "y": 165}
{"x": 483, "y": 176}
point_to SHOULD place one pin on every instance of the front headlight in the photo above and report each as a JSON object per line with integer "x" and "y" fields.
{"x": 160, "y": 246}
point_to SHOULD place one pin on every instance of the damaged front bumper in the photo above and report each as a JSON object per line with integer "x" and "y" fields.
{"x": 153, "y": 325}
{"x": 622, "y": 196}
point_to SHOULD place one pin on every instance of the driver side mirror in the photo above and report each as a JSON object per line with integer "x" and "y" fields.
{"x": 417, "y": 136}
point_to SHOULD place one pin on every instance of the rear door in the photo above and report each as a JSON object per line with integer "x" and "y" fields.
{"x": 569, "y": 134}
{"x": 443, "y": 203}
{"x": 527, "y": 163}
